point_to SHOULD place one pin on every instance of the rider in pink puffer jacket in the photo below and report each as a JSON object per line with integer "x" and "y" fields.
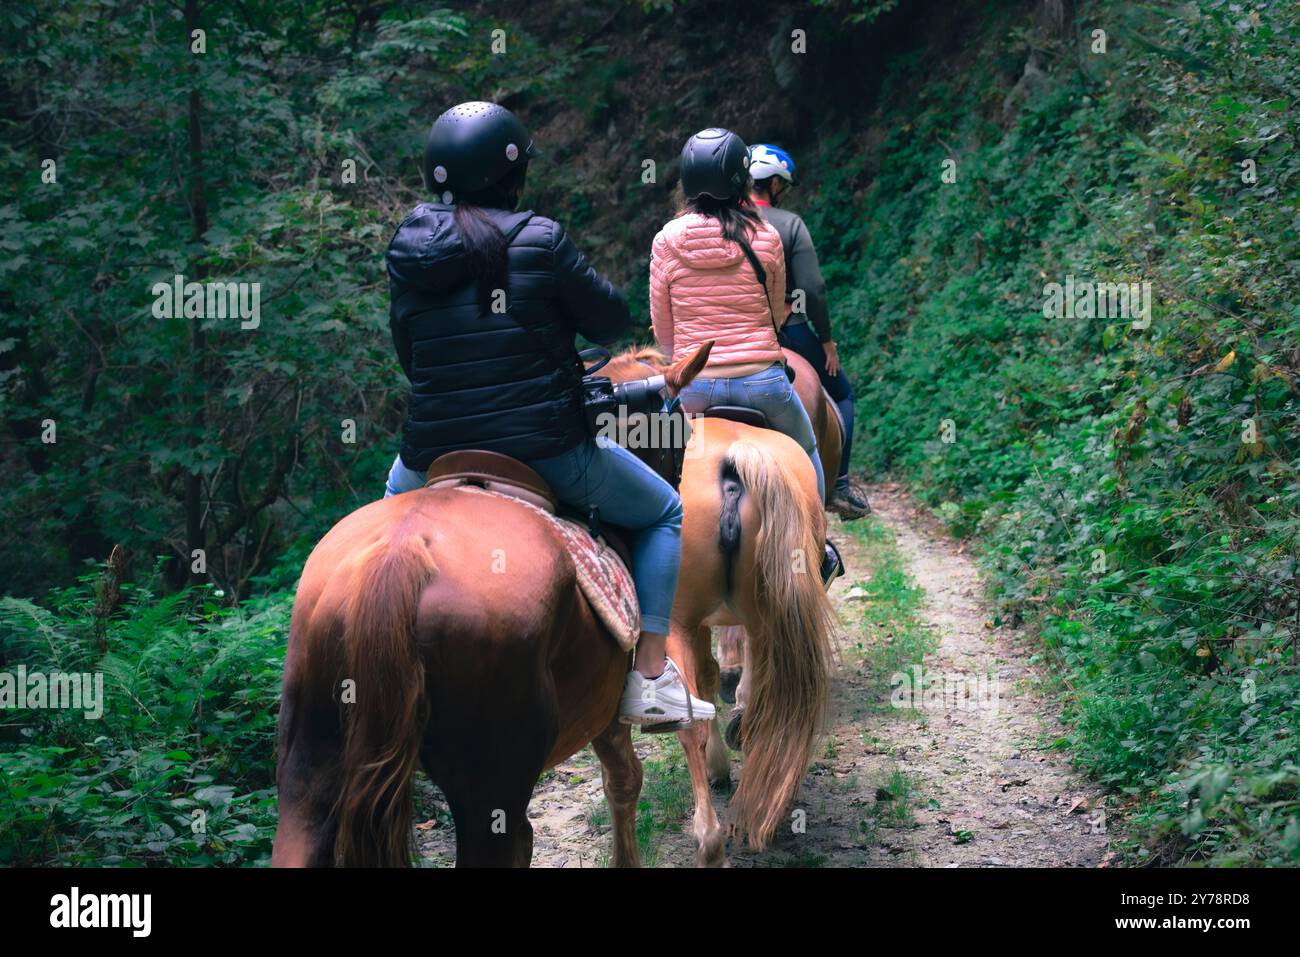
{"x": 702, "y": 287}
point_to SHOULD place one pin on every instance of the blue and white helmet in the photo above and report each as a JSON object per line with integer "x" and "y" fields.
{"x": 766, "y": 161}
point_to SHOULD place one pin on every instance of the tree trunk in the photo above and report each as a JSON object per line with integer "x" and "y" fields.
{"x": 194, "y": 533}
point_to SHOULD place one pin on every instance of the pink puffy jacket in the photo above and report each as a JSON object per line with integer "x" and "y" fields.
{"x": 702, "y": 287}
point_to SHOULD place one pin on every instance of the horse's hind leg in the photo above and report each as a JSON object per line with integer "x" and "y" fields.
{"x": 732, "y": 734}
{"x": 492, "y": 831}
{"x": 733, "y": 644}
{"x": 620, "y": 772}
{"x": 692, "y": 653}
{"x": 731, "y": 640}
{"x": 716, "y": 758}
{"x": 488, "y": 786}
{"x": 487, "y": 761}
{"x": 308, "y": 783}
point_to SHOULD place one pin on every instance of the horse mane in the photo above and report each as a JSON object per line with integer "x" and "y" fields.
{"x": 622, "y": 365}
{"x": 632, "y": 362}
{"x": 647, "y": 354}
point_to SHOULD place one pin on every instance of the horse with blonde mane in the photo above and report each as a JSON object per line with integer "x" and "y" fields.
{"x": 407, "y": 610}
{"x": 752, "y": 535}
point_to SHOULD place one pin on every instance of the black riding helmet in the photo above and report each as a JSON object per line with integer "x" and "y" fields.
{"x": 472, "y": 146}
{"x": 715, "y": 162}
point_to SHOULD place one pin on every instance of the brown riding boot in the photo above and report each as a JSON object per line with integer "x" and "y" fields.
{"x": 847, "y": 503}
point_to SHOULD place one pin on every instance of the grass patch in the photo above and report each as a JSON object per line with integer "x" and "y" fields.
{"x": 893, "y": 807}
{"x": 665, "y": 799}
{"x": 885, "y": 613}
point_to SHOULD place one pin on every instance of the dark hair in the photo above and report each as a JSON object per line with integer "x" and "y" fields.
{"x": 485, "y": 244}
{"x": 737, "y": 216}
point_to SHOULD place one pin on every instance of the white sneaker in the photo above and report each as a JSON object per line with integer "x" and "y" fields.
{"x": 661, "y": 700}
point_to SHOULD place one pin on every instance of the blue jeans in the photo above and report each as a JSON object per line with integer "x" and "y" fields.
{"x": 629, "y": 494}
{"x": 401, "y": 479}
{"x": 771, "y": 393}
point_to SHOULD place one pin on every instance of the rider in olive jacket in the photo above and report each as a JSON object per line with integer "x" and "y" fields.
{"x": 807, "y": 331}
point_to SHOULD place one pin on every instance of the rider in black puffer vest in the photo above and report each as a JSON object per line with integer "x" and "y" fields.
{"x": 486, "y": 303}
{"x": 489, "y": 380}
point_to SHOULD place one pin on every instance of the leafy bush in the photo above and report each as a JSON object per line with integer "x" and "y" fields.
{"x": 180, "y": 767}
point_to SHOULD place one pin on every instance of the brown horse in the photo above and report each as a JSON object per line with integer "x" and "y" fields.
{"x": 445, "y": 629}
{"x": 752, "y": 535}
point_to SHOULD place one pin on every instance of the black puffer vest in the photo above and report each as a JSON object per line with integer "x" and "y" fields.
{"x": 505, "y": 382}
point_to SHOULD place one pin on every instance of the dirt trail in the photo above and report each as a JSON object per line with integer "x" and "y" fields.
{"x": 1001, "y": 799}
{"x": 943, "y": 787}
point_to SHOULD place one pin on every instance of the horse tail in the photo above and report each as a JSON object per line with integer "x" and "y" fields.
{"x": 381, "y": 742}
{"x": 790, "y": 650}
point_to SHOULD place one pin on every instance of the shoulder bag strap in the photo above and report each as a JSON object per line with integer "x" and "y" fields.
{"x": 761, "y": 275}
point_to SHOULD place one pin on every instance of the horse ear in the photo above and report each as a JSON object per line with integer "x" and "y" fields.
{"x": 680, "y": 374}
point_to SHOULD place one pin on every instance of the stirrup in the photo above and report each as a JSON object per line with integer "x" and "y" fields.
{"x": 832, "y": 564}
{"x": 664, "y": 727}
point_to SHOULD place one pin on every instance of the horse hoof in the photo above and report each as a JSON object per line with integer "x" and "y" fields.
{"x": 730, "y": 681}
{"x": 732, "y": 733}
{"x": 713, "y": 856}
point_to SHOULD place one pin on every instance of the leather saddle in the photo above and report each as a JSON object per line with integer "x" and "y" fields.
{"x": 494, "y": 472}
{"x": 509, "y": 476}
{"x": 738, "y": 413}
